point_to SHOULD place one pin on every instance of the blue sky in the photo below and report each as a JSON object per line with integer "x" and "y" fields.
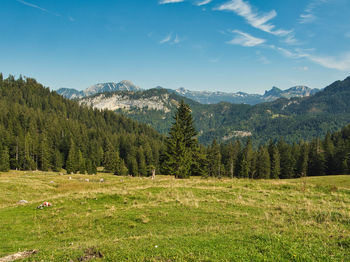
{"x": 225, "y": 45}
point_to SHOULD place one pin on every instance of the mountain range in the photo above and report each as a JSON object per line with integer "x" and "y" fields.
{"x": 207, "y": 97}
{"x": 124, "y": 85}
{"x": 204, "y": 97}
{"x": 294, "y": 118}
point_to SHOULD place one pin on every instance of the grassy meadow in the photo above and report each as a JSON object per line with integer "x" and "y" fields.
{"x": 140, "y": 219}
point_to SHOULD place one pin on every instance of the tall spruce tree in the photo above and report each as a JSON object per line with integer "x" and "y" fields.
{"x": 302, "y": 162}
{"x": 287, "y": 160}
{"x": 263, "y": 166}
{"x": 44, "y": 154}
{"x": 181, "y": 144}
{"x": 316, "y": 165}
{"x": 200, "y": 163}
{"x": 214, "y": 160}
{"x": 245, "y": 166}
{"x": 4, "y": 160}
{"x": 72, "y": 164}
{"x": 120, "y": 168}
{"x": 275, "y": 161}
{"x": 57, "y": 161}
{"x": 109, "y": 160}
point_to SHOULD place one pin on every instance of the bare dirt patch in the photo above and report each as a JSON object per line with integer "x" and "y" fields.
{"x": 18, "y": 255}
{"x": 91, "y": 253}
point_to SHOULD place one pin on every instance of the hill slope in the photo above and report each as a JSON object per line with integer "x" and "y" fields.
{"x": 42, "y": 130}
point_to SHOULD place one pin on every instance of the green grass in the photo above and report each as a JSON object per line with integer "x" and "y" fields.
{"x": 139, "y": 219}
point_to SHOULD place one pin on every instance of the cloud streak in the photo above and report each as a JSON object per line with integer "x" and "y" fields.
{"x": 166, "y": 39}
{"x": 260, "y": 21}
{"x": 169, "y": 39}
{"x": 341, "y": 63}
{"x": 245, "y": 39}
{"x": 204, "y": 2}
{"x": 36, "y": 7}
{"x": 162, "y": 2}
{"x": 69, "y": 18}
{"x": 309, "y": 13}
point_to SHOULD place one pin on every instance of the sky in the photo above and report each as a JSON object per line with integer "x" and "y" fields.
{"x": 215, "y": 45}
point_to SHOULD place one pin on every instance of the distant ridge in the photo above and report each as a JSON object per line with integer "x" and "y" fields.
{"x": 207, "y": 97}
{"x": 124, "y": 85}
{"x": 203, "y": 97}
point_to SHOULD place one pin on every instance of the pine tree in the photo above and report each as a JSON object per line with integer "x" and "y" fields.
{"x": 141, "y": 161}
{"x": 245, "y": 161}
{"x": 316, "y": 165}
{"x": 181, "y": 144}
{"x": 90, "y": 167}
{"x": 57, "y": 161}
{"x": 287, "y": 160}
{"x": 28, "y": 160}
{"x": 200, "y": 162}
{"x": 81, "y": 163}
{"x": 44, "y": 155}
{"x": 230, "y": 161}
{"x": 120, "y": 168}
{"x": 72, "y": 164}
{"x": 109, "y": 161}
{"x": 214, "y": 160}
{"x": 302, "y": 162}
{"x": 4, "y": 160}
{"x": 329, "y": 154}
{"x": 263, "y": 164}
{"x": 99, "y": 156}
{"x": 132, "y": 165}
{"x": 275, "y": 161}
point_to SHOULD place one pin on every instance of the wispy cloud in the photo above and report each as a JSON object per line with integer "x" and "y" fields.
{"x": 162, "y": 2}
{"x": 260, "y": 21}
{"x": 69, "y": 18}
{"x": 309, "y": 16}
{"x": 37, "y": 7}
{"x": 245, "y": 39}
{"x": 203, "y": 2}
{"x": 291, "y": 40}
{"x": 176, "y": 40}
{"x": 341, "y": 63}
{"x": 169, "y": 39}
{"x": 166, "y": 39}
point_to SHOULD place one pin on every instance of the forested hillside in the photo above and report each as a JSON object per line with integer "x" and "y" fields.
{"x": 294, "y": 119}
{"x": 329, "y": 156}
{"x": 39, "y": 129}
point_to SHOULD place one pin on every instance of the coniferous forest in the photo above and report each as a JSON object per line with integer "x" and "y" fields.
{"x": 40, "y": 130}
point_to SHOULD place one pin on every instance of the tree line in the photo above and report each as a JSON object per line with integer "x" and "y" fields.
{"x": 185, "y": 157}
{"x": 40, "y": 130}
